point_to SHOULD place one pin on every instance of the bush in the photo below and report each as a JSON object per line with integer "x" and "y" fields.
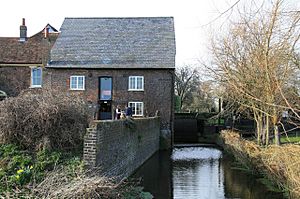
{"x": 44, "y": 120}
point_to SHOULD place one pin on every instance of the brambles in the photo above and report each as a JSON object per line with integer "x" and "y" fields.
{"x": 45, "y": 120}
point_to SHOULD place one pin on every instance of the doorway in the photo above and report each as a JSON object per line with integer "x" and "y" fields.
{"x": 105, "y": 112}
{"x": 105, "y": 98}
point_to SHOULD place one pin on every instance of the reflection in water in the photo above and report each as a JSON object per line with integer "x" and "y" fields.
{"x": 199, "y": 172}
{"x": 156, "y": 175}
{"x": 239, "y": 184}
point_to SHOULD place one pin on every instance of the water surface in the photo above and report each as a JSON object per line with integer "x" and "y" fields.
{"x": 199, "y": 173}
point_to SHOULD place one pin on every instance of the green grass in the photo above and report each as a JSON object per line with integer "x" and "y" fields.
{"x": 292, "y": 139}
{"x": 19, "y": 169}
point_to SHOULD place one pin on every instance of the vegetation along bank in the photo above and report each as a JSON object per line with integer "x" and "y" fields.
{"x": 280, "y": 164}
{"x": 41, "y": 146}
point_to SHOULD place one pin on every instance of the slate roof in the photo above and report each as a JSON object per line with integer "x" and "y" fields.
{"x": 147, "y": 42}
{"x": 33, "y": 51}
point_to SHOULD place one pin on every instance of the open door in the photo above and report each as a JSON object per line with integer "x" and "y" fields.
{"x": 105, "y": 110}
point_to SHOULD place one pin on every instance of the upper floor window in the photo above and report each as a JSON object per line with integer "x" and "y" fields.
{"x": 137, "y": 108}
{"x": 105, "y": 88}
{"x": 36, "y": 77}
{"x": 77, "y": 82}
{"x": 136, "y": 83}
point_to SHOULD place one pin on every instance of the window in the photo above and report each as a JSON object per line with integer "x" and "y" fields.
{"x": 105, "y": 88}
{"x": 77, "y": 82}
{"x": 136, "y": 83}
{"x": 36, "y": 77}
{"x": 137, "y": 108}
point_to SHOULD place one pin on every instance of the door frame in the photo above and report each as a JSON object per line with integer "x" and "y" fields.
{"x": 99, "y": 95}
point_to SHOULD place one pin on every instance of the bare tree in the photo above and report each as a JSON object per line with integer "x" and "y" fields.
{"x": 204, "y": 97}
{"x": 256, "y": 64}
{"x": 186, "y": 82}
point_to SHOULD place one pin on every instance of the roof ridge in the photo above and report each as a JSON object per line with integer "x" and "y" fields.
{"x": 161, "y": 17}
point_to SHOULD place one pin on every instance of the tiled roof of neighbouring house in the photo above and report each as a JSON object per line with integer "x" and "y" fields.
{"x": 35, "y": 50}
{"x": 146, "y": 42}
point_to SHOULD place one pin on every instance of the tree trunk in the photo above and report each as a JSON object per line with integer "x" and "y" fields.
{"x": 276, "y": 129}
{"x": 258, "y": 132}
{"x": 267, "y": 131}
{"x": 258, "y": 121}
{"x": 276, "y": 135}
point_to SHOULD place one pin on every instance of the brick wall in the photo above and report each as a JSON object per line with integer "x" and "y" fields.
{"x": 14, "y": 79}
{"x": 118, "y": 147}
{"x": 157, "y": 95}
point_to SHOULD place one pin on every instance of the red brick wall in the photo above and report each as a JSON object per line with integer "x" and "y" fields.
{"x": 14, "y": 79}
{"x": 157, "y": 95}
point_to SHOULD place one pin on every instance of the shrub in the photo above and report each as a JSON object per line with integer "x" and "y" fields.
{"x": 44, "y": 120}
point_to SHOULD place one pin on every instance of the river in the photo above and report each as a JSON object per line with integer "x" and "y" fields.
{"x": 199, "y": 173}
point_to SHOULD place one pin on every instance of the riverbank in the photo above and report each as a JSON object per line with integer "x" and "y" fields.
{"x": 56, "y": 174}
{"x": 280, "y": 164}
{"x": 194, "y": 171}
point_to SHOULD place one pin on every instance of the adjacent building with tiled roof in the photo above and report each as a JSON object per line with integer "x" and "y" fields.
{"x": 22, "y": 59}
{"x": 117, "y": 62}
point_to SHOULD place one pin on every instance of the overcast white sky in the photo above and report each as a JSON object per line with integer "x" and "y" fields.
{"x": 190, "y": 18}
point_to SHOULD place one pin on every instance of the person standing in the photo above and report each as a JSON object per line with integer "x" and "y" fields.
{"x": 118, "y": 113}
{"x": 128, "y": 112}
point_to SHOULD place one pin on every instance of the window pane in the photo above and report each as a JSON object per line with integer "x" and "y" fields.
{"x": 39, "y": 72}
{"x": 36, "y": 81}
{"x": 139, "y": 108}
{"x": 132, "y": 105}
{"x": 132, "y": 83}
{"x": 139, "y": 82}
{"x": 73, "y": 82}
{"x": 36, "y": 78}
{"x": 34, "y": 74}
{"x": 80, "y": 82}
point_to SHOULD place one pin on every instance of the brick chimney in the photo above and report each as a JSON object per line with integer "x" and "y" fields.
{"x": 46, "y": 32}
{"x": 23, "y": 31}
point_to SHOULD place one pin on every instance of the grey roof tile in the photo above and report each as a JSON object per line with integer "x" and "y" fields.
{"x": 147, "y": 42}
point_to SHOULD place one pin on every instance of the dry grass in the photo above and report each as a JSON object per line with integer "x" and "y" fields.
{"x": 86, "y": 184}
{"x": 245, "y": 151}
{"x": 58, "y": 184}
{"x": 279, "y": 163}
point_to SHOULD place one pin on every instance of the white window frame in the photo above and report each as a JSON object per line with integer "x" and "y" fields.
{"x": 134, "y": 110}
{"x": 135, "y": 88}
{"x": 77, "y": 85}
{"x": 31, "y": 77}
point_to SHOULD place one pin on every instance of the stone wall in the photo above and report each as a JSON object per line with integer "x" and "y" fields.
{"x": 118, "y": 147}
